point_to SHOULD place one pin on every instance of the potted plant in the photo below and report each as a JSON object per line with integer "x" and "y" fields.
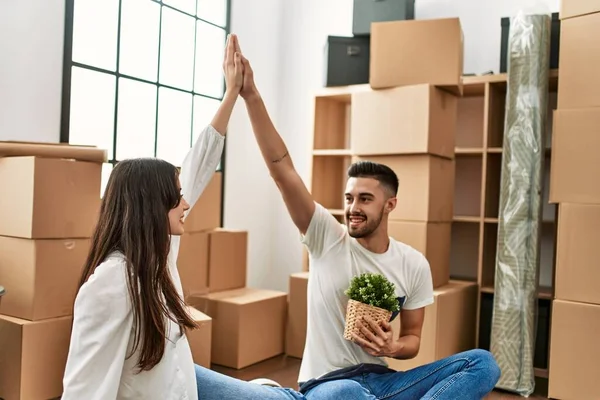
{"x": 370, "y": 295}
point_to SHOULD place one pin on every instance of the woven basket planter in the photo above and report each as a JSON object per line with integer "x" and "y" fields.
{"x": 355, "y": 311}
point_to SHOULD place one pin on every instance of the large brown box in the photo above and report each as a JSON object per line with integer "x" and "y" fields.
{"x": 200, "y": 339}
{"x": 574, "y": 351}
{"x": 192, "y": 263}
{"x": 206, "y": 213}
{"x": 579, "y": 63}
{"x": 576, "y": 8}
{"x": 416, "y": 119}
{"x": 417, "y": 51}
{"x": 47, "y": 198}
{"x": 449, "y": 325}
{"x": 33, "y": 356}
{"x": 432, "y": 240}
{"x": 41, "y": 276}
{"x": 575, "y": 167}
{"x": 426, "y": 190}
{"x": 577, "y": 253}
{"x": 297, "y": 314}
{"x": 248, "y": 325}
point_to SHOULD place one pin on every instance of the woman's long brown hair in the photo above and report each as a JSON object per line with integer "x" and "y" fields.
{"x": 134, "y": 221}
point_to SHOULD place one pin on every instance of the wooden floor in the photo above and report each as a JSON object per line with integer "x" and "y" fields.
{"x": 284, "y": 370}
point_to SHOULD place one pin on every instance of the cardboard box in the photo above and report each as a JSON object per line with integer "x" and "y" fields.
{"x": 574, "y": 351}
{"x": 576, "y": 8}
{"x": 575, "y": 166}
{"x": 200, "y": 339}
{"x": 449, "y": 326}
{"x": 206, "y": 213}
{"x": 430, "y": 238}
{"x": 417, "y": 51}
{"x": 296, "y": 319}
{"x": 192, "y": 263}
{"x": 41, "y": 276}
{"x": 417, "y": 119}
{"x": 45, "y": 198}
{"x": 248, "y": 325}
{"x": 33, "y": 356}
{"x": 426, "y": 190}
{"x": 579, "y": 63}
{"x": 577, "y": 253}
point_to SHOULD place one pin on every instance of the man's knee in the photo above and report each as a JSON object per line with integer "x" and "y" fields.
{"x": 346, "y": 389}
{"x": 485, "y": 362}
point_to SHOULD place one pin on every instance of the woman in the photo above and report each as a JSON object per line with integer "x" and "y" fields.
{"x": 128, "y": 339}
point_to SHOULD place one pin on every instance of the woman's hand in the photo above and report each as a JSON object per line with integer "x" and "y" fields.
{"x": 233, "y": 67}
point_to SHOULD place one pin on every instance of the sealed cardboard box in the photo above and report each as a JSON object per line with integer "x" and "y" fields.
{"x": 577, "y": 253}
{"x": 449, "y": 326}
{"x": 575, "y": 166}
{"x": 574, "y": 351}
{"x": 248, "y": 325}
{"x": 33, "y": 356}
{"x": 41, "y": 276}
{"x": 296, "y": 319}
{"x": 46, "y": 198}
{"x": 432, "y": 239}
{"x": 206, "y": 213}
{"x": 192, "y": 263}
{"x": 579, "y": 63}
{"x": 426, "y": 190}
{"x": 200, "y": 339}
{"x": 416, "y": 119}
{"x": 417, "y": 51}
{"x": 228, "y": 257}
{"x": 576, "y": 8}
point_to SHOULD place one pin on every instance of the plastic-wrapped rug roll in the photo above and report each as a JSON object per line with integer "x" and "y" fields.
{"x": 519, "y": 221}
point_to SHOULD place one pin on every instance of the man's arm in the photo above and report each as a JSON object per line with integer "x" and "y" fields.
{"x": 409, "y": 341}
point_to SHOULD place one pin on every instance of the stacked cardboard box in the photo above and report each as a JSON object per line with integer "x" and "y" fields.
{"x": 247, "y": 325}
{"x": 48, "y": 209}
{"x": 575, "y": 187}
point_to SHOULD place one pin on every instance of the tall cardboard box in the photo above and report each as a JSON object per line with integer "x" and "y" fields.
{"x": 200, "y": 339}
{"x": 33, "y": 356}
{"x": 192, "y": 263}
{"x": 411, "y": 52}
{"x": 416, "y": 119}
{"x": 449, "y": 325}
{"x": 48, "y": 198}
{"x": 426, "y": 190}
{"x": 41, "y": 276}
{"x": 576, "y": 8}
{"x": 248, "y": 325}
{"x": 295, "y": 333}
{"x": 206, "y": 213}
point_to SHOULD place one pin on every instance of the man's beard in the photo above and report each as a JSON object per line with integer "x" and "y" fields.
{"x": 367, "y": 227}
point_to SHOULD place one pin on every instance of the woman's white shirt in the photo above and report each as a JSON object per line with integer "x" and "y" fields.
{"x": 102, "y": 334}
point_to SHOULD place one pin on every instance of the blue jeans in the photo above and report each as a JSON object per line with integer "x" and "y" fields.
{"x": 468, "y": 375}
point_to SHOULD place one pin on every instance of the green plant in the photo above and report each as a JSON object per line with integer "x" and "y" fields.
{"x": 373, "y": 289}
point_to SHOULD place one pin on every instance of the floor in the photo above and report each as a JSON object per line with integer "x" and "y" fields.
{"x": 285, "y": 369}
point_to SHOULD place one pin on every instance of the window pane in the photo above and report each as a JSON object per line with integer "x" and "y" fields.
{"x": 174, "y": 125}
{"x": 177, "y": 49}
{"x": 139, "y": 39}
{"x": 188, "y": 6}
{"x": 106, "y": 170}
{"x": 92, "y": 109}
{"x": 204, "y": 111}
{"x": 136, "y": 119}
{"x": 210, "y": 49}
{"x": 95, "y": 32}
{"x": 214, "y": 11}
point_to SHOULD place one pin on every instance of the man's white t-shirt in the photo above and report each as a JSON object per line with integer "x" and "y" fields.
{"x": 335, "y": 258}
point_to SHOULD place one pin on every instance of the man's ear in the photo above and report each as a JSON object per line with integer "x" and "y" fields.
{"x": 390, "y": 204}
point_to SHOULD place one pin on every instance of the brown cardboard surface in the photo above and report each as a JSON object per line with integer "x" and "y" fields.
{"x": 579, "y": 63}
{"x": 575, "y": 8}
{"x": 575, "y": 166}
{"x": 33, "y": 356}
{"x": 53, "y": 150}
{"x": 431, "y": 239}
{"x": 206, "y": 213}
{"x": 248, "y": 325}
{"x": 416, "y": 119}
{"x": 296, "y": 318}
{"x": 200, "y": 339}
{"x": 228, "y": 257}
{"x": 417, "y": 51}
{"x": 577, "y": 253}
{"x": 40, "y": 276}
{"x": 449, "y": 325}
{"x": 192, "y": 263}
{"x": 574, "y": 351}
{"x": 44, "y": 198}
{"x": 426, "y": 190}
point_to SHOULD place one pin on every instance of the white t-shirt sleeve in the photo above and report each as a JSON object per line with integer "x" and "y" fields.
{"x": 323, "y": 232}
{"x": 421, "y": 291}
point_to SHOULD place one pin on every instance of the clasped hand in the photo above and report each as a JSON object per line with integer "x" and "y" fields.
{"x": 239, "y": 77}
{"x": 379, "y": 340}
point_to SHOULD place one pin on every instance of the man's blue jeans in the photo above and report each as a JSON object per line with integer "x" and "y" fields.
{"x": 468, "y": 375}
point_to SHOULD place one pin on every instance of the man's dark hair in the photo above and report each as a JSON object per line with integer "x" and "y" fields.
{"x": 368, "y": 169}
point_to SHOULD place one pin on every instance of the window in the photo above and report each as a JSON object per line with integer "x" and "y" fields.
{"x": 142, "y": 77}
